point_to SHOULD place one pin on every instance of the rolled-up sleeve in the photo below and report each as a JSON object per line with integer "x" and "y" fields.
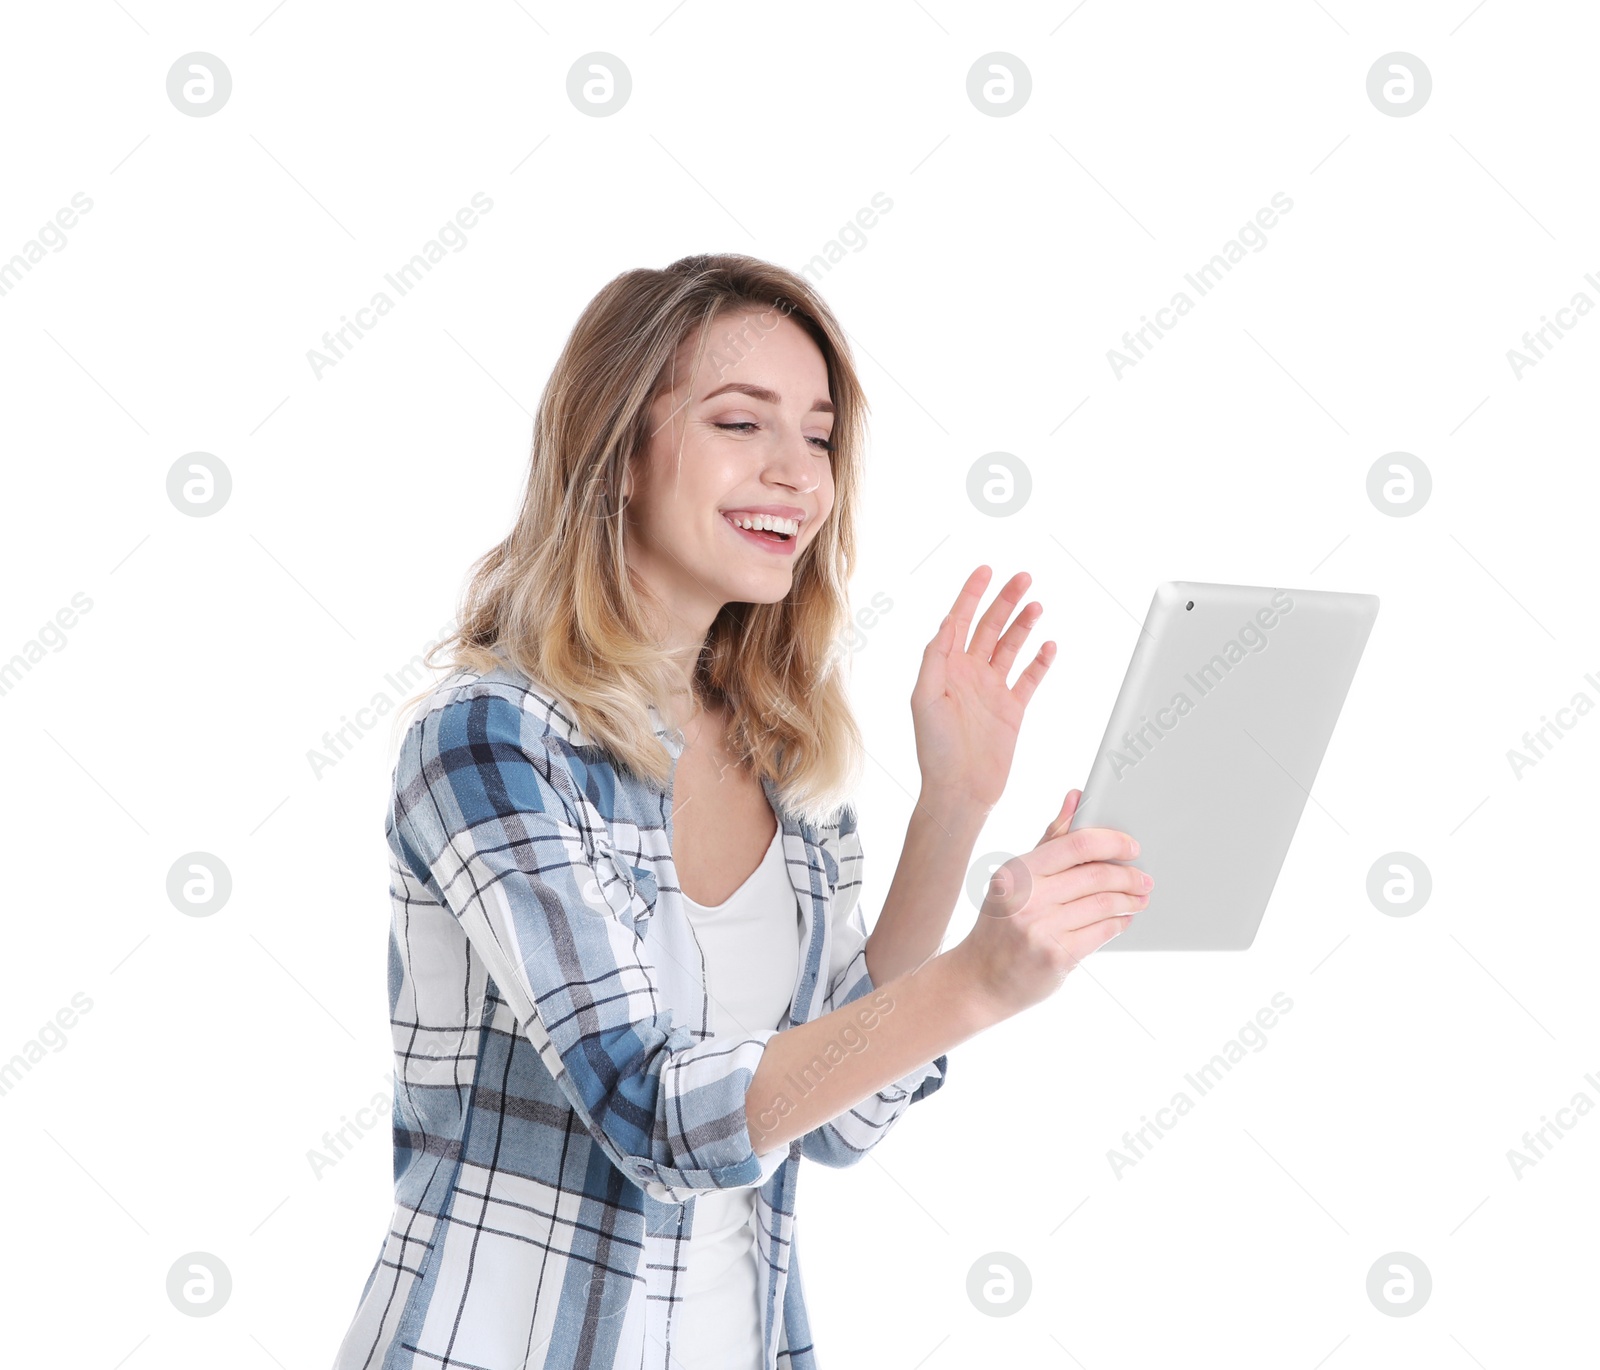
{"x": 846, "y": 1139}
{"x": 486, "y": 815}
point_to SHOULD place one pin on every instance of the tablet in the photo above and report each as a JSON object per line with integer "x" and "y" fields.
{"x": 1208, "y": 760}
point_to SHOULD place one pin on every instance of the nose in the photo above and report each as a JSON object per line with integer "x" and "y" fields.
{"x": 793, "y": 463}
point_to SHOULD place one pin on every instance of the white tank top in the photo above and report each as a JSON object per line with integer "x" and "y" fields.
{"x": 751, "y": 944}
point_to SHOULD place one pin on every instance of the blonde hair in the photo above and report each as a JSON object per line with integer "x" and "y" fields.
{"x": 554, "y": 598}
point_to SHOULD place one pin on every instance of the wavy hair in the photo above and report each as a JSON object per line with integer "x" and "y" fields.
{"x": 555, "y": 598}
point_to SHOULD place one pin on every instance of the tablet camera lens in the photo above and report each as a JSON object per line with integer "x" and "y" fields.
{"x": 1189, "y": 605}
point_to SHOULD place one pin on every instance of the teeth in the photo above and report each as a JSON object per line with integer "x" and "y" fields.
{"x": 768, "y": 523}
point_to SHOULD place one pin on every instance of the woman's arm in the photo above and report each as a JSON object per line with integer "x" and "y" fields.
{"x": 487, "y": 816}
{"x": 812, "y": 1073}
{"x": 927, "y": 883}
{"x": 1064, "y": 899}
{"x": 966, "y": 720}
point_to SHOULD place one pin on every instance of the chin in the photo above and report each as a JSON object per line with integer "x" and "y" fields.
{"x": 768, "y": 590}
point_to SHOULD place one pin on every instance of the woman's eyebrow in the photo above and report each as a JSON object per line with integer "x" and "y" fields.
{"x": 760, "y": 392}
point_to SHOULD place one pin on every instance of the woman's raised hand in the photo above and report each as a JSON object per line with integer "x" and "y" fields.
{"x": 965, "y": 716}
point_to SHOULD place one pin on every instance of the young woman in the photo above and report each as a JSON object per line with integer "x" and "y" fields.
{"x": 630, "y": 979}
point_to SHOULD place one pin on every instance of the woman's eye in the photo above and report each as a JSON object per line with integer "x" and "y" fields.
{"x": 824, "y": 444}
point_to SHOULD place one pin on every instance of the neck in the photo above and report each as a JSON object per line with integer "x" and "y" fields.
{"x": 682, "y": 705}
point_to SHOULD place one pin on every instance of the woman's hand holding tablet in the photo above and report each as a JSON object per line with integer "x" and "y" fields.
{"x": 1049, "y": 908}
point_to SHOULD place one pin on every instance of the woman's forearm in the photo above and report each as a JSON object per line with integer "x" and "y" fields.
{"x": 927, "y": 883}
{"x": 810, "y": 1074}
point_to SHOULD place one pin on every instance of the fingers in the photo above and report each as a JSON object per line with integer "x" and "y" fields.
{"x": 995, "y": 618}
{"x": 966, "y": 605}
{"x": 1030, "y": 679}
{"x": 1069, "y": 806}
{"x": 1073, "y": 915}
{"x": 1077, "y": 894}
{"x": 1005, "y": 652}
{"x": 1086, "y": 844}
{"x": 1103, "y": 877}
{"x": 1082, "y": 942}
{"x": 1093, "y": 937}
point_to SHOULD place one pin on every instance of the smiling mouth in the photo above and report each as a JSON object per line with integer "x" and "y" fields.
{"x": 762, "y": 536}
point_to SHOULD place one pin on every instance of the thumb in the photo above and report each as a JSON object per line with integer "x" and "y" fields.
{"x": 1069, "y": 806}
{"x": 929, "y": 683}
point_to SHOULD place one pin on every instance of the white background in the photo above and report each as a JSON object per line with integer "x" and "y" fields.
{"x": 179, "y": 712}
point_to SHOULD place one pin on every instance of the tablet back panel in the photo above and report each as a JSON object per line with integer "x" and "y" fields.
{"x": 1212, "y": 749}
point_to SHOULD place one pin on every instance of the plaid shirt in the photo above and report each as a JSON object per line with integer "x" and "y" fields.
{"x": 559, "y": 1098}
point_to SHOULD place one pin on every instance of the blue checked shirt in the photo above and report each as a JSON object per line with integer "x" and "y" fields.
{"x": 559, "y": 1099}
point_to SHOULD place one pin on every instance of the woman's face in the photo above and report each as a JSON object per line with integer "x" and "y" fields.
{"x": 747, "y": 433}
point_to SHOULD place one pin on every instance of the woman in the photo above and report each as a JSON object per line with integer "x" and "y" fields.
{"x": 630, "y": 980}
